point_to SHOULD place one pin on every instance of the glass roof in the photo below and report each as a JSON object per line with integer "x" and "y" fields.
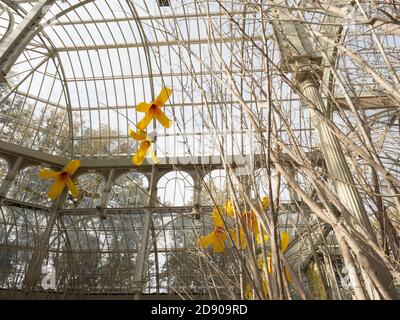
{"x": 75, "y": 87}
{"x": 72, "y": 94}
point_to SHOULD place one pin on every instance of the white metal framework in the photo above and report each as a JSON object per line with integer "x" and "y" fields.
{"x": 296, "y": 100}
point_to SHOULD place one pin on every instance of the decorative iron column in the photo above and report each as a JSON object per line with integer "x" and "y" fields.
{"x": 143, "y": 251}
{"x": 10, "y": 177}
{"x": 304, "y": 64}
{"x": 34, "y": 270}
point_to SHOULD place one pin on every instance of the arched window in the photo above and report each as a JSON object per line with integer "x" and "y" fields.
{"x": 261, "y": 180}
{"x": 215, "y": 188}
{"x": 29, "y": 187}
{"x": 129, "y": 190}
{"x": 175, "y": 189}
{"x": 260, "y": 187}
{"x": 103, "y": 253}
{"x": 20, "y": 232}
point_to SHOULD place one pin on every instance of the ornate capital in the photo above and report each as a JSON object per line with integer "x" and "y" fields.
{"x": 297, "y": 52}
{"x": 306, "y": 70}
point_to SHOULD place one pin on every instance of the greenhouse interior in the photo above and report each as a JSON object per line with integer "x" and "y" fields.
{"x": 206, "y": 149}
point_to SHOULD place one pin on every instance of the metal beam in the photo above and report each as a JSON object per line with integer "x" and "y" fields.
{"x": 158, "y": 44}
{"x": 186, "y": 163}
{"x": 185, "y": 210}
{"x": 185, "y": 16}
{"x": 368, "y": 102}
{"x": 15, "y": 42}
{"x": 11, "y": 174}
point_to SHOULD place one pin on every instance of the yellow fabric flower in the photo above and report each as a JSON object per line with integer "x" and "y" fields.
{"x": 228, "y": 208}
{"x": 243, "y": 240}
{"x": 217, "y": 237}
{"x": 284, "y": 242}
{"x": 261, "y": 263}
{"x": 248, "y": 293}
{"x": 61, "y": 179}
{"x": 144, "y": 147}
{"x": 285, "y": 239}
{"x": 251, "y": 223}
{"x": 264, "y": 288}
{"x": 153, "y": 110}
{"x": 258, "y": 238}
{"x": 265, "y": 202}
{"x": 250, "y": 219}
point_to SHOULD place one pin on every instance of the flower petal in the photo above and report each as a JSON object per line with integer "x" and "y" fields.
{"x": 265, "y": 202}
{"x": 72, "y": 187}
{"x": 258, "y": 238}
{"x": 163, "y": 97}
{"x": 254, "y": 224}
{"x": 288, "y": 275}
{"x": 142, "y": 124}
{"x": 229, "y": 208}
{"x": 243, "y": 240}
{"x": 206, "y": 240}
{"x": 233, "y": 234}
{"x": 162, "y": 118}
{"x": 269, "y": 264}
{"x": 264, "y": 288}
{"x": 138, "y": 158}
{"x": 139, "y": 136}
{"x": 72, "y": 166}
{"x": 260, "y": 263}
{"x": 284, "y": 241}
{"x": 143, "y": 107}
{"x": 219, "y": 243}
{"x": 153, "y": 155}
{"x": 47, "y": 174}
{"x": 217, "y": 218}
{"x": 56, "y": 188}
{"x": 248, "y": 294}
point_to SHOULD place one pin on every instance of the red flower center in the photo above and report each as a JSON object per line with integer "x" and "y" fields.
{"x": 63, "y": 175}
{"x": 153, "y": 107}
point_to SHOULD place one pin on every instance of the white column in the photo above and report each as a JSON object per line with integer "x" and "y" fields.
{"x": 335, "y": 160}
{"x": 344, "y": 185}
{"x": 11, "y": 174}
{"x": 142, "y": 256}
{"x": 33, "y": 273}
{"x": 304, "y": 64}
